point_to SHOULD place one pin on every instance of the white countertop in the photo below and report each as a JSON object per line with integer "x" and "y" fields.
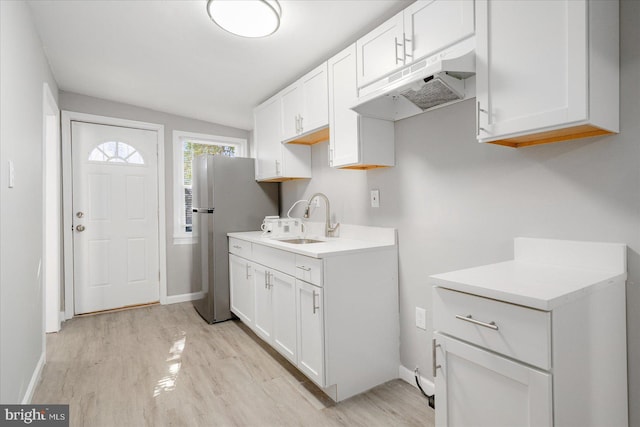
{"x": 356, "y": 239}
{"x": 532, "y": 280}
{"x": 543, "y": 287}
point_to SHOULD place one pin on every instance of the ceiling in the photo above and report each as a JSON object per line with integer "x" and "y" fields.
{"x": 169, "y": 56}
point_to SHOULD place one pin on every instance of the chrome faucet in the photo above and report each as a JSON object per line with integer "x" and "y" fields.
{"x": 328, "y": 229}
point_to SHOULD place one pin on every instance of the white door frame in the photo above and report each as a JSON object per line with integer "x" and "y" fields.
{"x": 51, "y": 214}
{"x": 67, "y": 185}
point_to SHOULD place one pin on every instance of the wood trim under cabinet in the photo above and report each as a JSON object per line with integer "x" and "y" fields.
{"x": 556, "y": 135}
{"x": 363, "y": 167}
{"x": 315, "y": 137}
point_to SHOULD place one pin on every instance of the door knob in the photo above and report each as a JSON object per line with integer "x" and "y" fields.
{"x": 80, "y": 227}
{"x": 80, "y": 214}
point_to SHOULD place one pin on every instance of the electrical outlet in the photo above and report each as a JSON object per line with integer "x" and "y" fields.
{"x": 375, "y": 198}
{"x": 421, "y": 318}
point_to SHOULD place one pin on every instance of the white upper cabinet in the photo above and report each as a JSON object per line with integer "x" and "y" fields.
{"x": 380, "y": 52}
{"x": 433, "y": 25}
{"x": 305, "y": 109}
{"x": 274, "y": 161}
{"x": 356, "y": 142}
{"x": 291, "y": 102}
{"x": 266, "y": 134}
{"x": 422, "y": 29}
{"x": 545, "y": 83}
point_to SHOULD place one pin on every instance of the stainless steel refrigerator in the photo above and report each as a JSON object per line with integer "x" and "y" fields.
{"x": 225, "y": 198}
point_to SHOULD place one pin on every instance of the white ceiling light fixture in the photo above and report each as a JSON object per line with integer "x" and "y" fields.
{"x": 246, "y": 18}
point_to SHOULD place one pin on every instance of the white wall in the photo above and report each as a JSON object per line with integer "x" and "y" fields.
{"x": 23, "y": 70}
{"x": 178, "y": 256}
{"x": 457, "y": 203}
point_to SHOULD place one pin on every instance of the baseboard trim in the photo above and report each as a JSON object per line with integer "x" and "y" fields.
{"x": 35, "y": 379}
{"x": 174, "y": 299}
{"x": 407, "y": 375}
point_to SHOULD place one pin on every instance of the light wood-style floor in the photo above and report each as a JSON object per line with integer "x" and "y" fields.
{"x": 164, "y": 366}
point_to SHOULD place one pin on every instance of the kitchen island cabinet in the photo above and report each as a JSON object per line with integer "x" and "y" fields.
{"x": 537, "y": 341}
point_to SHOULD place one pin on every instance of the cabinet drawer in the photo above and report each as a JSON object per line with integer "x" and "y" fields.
{"x": 275, "y": 258}
{"x": 240, "y": 247}
{"x": 309, "y": 269}
{"x": 515, "y": 331}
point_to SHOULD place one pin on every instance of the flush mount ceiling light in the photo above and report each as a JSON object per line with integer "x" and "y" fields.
{"x": 246, "y": 18}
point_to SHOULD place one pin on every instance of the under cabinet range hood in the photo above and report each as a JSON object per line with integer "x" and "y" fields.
{"x": 441, "y": 79}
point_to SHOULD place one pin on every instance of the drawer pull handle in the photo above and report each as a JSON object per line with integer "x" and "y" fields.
{"x": 302, "y": 267}
{"x": 237, "y": 247}
{"x": 468, "y": 318}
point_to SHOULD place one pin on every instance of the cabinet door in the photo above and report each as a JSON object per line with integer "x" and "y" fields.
{"x": 263, "y": 314}
{"x": 310, "y": 331}
{"x": 241, "y": 288}
{"x": 291, "y": 100}
{"x": 476, "y": 387}
{"x": 530, "y": 76}
{"x": 285, "y": 337}
{"x": 343, "y": 92}
{"x": 267, "y": 139}
{"x": 433, "y": 25}
{"x": 315, "y": 112}
{"x": 380, "y": 52}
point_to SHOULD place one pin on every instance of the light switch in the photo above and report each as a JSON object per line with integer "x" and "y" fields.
{"x": 375, "y": 198}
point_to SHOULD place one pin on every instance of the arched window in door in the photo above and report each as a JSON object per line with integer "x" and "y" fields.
{"x": 116, "y": 152}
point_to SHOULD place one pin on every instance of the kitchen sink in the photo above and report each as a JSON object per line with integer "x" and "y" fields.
{"x": 301, "y": 241}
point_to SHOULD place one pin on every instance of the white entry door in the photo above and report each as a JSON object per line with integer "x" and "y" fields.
{"x": 115, "y": 216}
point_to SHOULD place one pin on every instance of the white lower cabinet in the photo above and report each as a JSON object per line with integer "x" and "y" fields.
{"x": 499, "y": 363}
{"x": 283, "y": 288}
{"x": 310, "y": 316}
{"x": 477, "y": 388}
{"x": 263, "y": 323}
{"x": 309, "y": 310}
{"x": 275, "y": 312}
{"x": 241, "y": 288}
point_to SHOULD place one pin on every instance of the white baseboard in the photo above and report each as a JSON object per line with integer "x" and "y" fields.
{"x": 35, "y": 379}
{"x": 174, "y": 299}
{"x": 408, "y": 376}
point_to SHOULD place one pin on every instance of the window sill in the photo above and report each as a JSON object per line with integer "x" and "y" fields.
{"x": 183, "y": 240}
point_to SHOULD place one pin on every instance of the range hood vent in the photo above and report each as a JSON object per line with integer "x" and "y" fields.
{"x": 440, "y": 80}
{"x": 436, "y": 90}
